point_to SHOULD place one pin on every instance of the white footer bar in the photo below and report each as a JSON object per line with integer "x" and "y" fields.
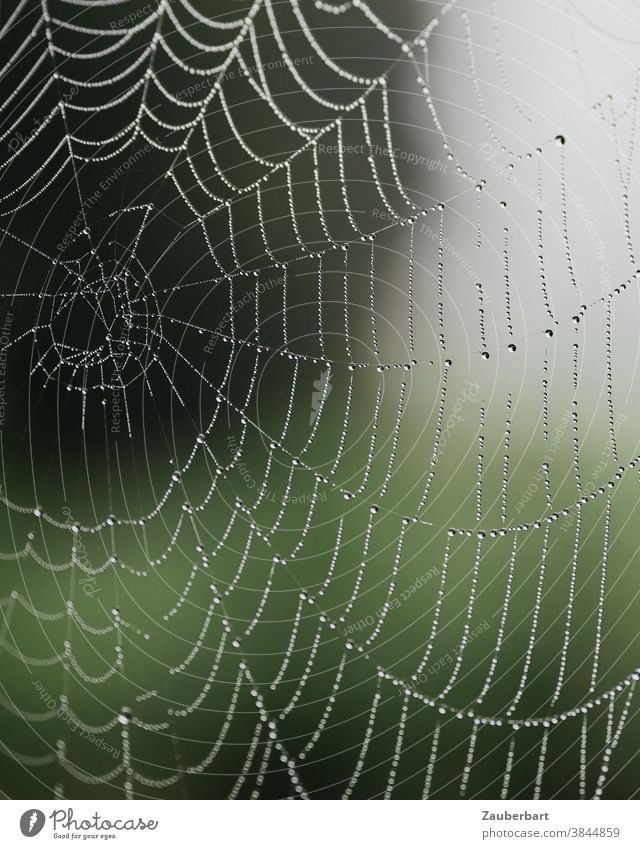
{"x": 320, "y": 824}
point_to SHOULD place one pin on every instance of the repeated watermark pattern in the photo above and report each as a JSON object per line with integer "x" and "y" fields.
{"x": 242, "y": 302}
{"x": 17, "y": 140}
{"x": 230, "y": 74}
{"x": 601, "y": 466}
{"x": 79, "y": 222}
{"x": 598, "y": 245}
{"x": 53, "y": 704}
{"x": 448, "y": 658}
{"x": 79, "y": 557}
{"x": 5, "y": 339}
{"x": 398, "y": 153}
{"x": 547, "y": 460}
{"x": 275, "y": 498}
{"x": 490, "y": 154}
{"x": 470, "y": 393}
{"x": 120, "y": 349}
{"x": 396, "y": 602}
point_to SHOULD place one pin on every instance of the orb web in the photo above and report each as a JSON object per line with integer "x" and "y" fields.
{"x": 317, "y": 434}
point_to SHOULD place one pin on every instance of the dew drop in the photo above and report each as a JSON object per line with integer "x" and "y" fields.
{"x": 125, "y": 716}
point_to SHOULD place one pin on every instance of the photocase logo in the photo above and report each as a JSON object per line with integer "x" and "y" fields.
{"x": 322, "y": 390}
{"x": 32, "y": 822}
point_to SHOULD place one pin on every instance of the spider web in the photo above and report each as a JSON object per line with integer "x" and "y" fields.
{"x": 317, "y": 446}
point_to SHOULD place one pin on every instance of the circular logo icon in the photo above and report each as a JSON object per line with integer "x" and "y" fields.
{"x": 32, "y": 822}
